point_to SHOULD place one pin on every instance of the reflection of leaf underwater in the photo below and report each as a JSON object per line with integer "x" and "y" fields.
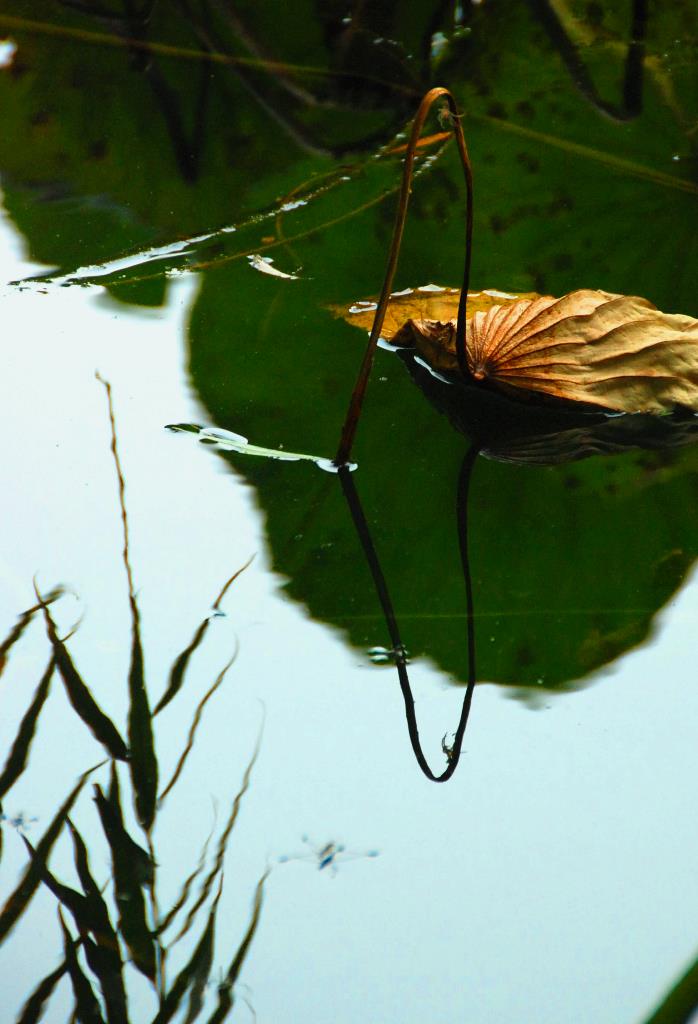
{"x": 539, "y": 537}
{"x": 569, "y": 564}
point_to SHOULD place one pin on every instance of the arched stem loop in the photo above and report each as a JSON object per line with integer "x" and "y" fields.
{"x": 357, "y": 397}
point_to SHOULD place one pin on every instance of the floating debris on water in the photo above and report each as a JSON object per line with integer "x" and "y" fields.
{"x": 264, "y": 264}
{"x": 228, "y": 440}
{"x": 8, "y": 49}
{"x": 20, "y": 821}
{"x": 327, "y": 855}
{"x": 385, "y": 655}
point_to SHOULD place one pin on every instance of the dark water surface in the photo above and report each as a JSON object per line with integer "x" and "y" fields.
{"x": 188, "y": 189}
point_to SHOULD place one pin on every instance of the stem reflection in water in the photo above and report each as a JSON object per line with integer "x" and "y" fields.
{"x": 359, "y": 519}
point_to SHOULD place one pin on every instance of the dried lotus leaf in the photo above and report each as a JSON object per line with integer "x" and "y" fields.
{"x": 429, "y": 303}
{"x": 618, "y": 352}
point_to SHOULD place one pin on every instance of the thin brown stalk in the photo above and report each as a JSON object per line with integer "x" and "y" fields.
{"x": 356, "y": 402}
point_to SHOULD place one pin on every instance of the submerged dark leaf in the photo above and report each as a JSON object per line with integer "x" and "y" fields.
{"x": 101, "y": 727}
{"x": 17, "y": 758}
{"x": 33, "y": 1010}
{"x": 86, "y": 1002}
{"x": 225, "y": 989}
{"x": 31, "y": 879}
{"x": 132, "y": 869}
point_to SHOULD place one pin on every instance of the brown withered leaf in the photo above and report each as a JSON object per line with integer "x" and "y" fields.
{"x": 617, "y": 352}
{"x": 429, "y": 303}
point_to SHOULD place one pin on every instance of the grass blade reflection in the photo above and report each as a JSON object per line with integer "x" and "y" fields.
{"x": 33, "y": 1010}
{"x": 193, "y": 728}
{"x": 73, "y": 900}
{"x": 143, "y": 762}
{"x": 181, "y": 663}
{"x": 222, "y": 845}
{"x": 680, "y": 1003}
{"x": 195, "y": 973}
{"x": 105, "y": 961}
{"x": 101, "y": 727}
{"x": 95, "y": 923}
{"x": 87, "y": 1008}
{"x": 20, "y": 626}
{"x": 225, "y": 989}
{"x": 167, "y": 920}
{"x": 102, "y": 952}
{"x": 31, "y": 879}
{"x": 132, "y": 870}
{"x": 17, "y": 758}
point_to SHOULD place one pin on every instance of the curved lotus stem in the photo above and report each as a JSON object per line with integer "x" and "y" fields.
{"x": 357, "y": 397}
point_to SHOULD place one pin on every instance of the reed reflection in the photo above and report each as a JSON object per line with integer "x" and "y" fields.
{"x": 112, "y": 928}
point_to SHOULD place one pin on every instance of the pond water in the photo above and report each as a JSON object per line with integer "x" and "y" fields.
{"x": 188, "y": 196}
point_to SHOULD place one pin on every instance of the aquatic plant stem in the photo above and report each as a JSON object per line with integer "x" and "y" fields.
{"x": 357, "y": 397}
